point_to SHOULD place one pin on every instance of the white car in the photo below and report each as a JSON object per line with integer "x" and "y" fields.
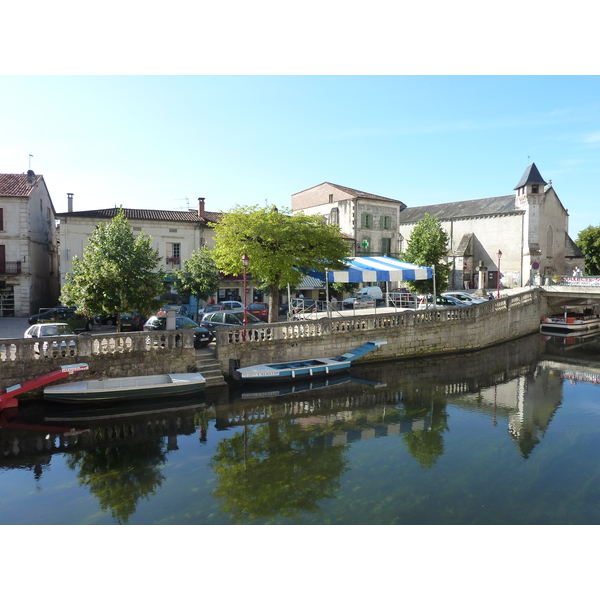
{"x": 363, "y": 301}
{"x": 52, "y": 330}
{"x": 463, "y": 297}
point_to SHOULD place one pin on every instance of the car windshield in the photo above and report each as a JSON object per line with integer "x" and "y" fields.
{"x": 58, "y": 329}
{"x": 185, "y": 322}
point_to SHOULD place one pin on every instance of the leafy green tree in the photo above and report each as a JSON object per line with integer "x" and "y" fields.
{"x": 281, "y": 247}
{"x": 428, "y": 247}
{"x": 199, "y": 276}
{"x": 588, "y": 242}
{"x": 119, "y": 272}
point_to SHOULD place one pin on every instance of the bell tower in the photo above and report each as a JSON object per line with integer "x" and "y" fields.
{"x": 529, "y": 196}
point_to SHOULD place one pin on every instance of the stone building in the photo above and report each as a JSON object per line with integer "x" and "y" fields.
{"x": 526, "y": 232}
{"x": 369, "y": 221}
{"x": 529, "y": 228}
{"x": 29, "y": 277}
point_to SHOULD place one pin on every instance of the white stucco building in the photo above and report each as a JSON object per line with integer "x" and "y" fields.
{"x": 29, "y": 276}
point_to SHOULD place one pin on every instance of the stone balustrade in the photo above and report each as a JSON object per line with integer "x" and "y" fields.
{"x": 108, "y": 355}
{"x": 408, "y": 333}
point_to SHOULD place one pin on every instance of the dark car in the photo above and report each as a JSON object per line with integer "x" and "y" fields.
{"x": 227, "y": 318}
{"x": 259, "y": 310}
{"x": 62, "y": 314}
{"x": 132, "y": 321}
{"x": 202, "y": 336}
{"x": 302, "y": 305}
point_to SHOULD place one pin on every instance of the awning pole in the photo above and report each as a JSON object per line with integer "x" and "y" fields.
{"x": 434, "y": 302}
{"x": 327, "y": 293}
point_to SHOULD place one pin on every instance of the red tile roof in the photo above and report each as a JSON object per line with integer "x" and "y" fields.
{"x": 15, "y": 186}
{"x": 144, "y": 214}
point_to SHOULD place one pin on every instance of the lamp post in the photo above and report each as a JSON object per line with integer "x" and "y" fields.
{"x": 499, "y": 257}
{"x": 245, "y": 263}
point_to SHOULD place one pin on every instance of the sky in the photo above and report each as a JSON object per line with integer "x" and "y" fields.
{"x": 161, "y": 142}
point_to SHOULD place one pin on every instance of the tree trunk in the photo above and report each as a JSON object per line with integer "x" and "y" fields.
{"x": 274, "y": 302}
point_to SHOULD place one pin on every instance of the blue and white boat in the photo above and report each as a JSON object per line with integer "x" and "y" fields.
{"x": 297, "y": 369}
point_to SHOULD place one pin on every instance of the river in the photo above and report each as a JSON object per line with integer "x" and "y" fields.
{"x": 509, "y": 435}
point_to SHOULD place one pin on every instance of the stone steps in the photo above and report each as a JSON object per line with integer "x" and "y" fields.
{"x": 209, "y": 368}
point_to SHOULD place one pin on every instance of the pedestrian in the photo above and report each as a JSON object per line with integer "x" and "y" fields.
{"x": 212, "y": 301}
{"x": 333, "y": 302}
{"x": 301, "y": 295}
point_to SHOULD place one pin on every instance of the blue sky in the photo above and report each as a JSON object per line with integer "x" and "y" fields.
{"x": 155, "y": 141}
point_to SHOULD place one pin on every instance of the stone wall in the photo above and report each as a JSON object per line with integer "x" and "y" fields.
{"x": 408, "y": 333}
{"x": 108, "y": 355}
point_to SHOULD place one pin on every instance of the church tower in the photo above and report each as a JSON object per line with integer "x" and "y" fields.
{"x": 530, "y": 197}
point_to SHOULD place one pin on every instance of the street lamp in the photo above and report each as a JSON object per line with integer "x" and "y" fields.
{"x": 499, "y": 255}
{"x": 245, "y": 263}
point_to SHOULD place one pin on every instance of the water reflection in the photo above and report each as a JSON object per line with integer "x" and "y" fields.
{"x": 282, "y": 455}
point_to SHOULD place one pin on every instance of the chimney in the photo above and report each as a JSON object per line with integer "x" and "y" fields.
{"x": 201, "y": 207}
{"x": 69, "y": 202}
{"x": 30, "y": 177}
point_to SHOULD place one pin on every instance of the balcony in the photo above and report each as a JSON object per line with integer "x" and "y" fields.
{"x": 10, "y": 267}
{"x": 173, "y": 259}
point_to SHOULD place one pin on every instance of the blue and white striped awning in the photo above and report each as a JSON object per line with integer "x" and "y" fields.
{"x": 371, "y": 269}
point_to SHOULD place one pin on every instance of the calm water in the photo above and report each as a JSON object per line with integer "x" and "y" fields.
{"x": 506, "y": 436}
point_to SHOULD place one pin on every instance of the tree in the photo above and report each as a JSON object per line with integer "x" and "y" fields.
{"x": 588, "y": 242}
{"x": 199, "y": 276}
{"x": 428, "y": 247}
{"x": 118, "y": 273}
{"x": 281, "y": 247}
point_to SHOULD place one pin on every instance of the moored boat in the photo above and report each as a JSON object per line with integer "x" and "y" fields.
{"x": 125, "y": 388}
{"x": 296, "y": 369}
{"x": 569, "y": 322}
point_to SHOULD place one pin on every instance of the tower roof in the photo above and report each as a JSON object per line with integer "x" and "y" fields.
{"x": 530, "y": 177}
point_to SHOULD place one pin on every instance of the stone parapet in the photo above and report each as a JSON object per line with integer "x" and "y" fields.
{"x": 107, "y": 355}
{"x": 408, "y": 333}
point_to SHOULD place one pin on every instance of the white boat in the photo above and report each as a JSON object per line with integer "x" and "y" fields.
{"x": 125, "y": 388}
{"x": 571, "y": 321}
{"x": 297, "y": 369}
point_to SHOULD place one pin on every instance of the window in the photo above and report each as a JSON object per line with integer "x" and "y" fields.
{"x": 173, "y": 252}
{"x": 1, "y": 219}
{"x": 366, "y": 221}
{"x": 385, "y": 222}
{"x": 534, "y": 189}
{"x": 330, "y": 198}
{"x": 386, "y": 245}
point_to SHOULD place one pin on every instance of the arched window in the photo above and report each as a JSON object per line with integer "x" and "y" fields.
{"x": 549, "y": 242}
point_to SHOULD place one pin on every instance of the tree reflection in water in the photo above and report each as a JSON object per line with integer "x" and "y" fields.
{"x": 119, "y": 476}
{"x": 276, "y": 469}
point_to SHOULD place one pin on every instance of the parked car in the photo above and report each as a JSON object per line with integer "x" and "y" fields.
{"x": 362, "y": 301}
{"x": 260, "y": 310}
{"x": 231, "y": 305}
{"x": 440, "y": 302}
{"x": 210, "y": 308}
{"x": 132, "y": 321}
{"x": 463, "y": 297}
{"x": 62, "y": 314}
{"x": 227, "y": 318}
{"x": 179, "y": 310}
{"x": 302, "y": 305}
{"x": 106, "y": 320}
{"x": 44, "y": 330}
{"x": 202, "y": 336}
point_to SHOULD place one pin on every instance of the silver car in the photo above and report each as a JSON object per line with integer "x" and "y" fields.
{"x": 53, "y": 330}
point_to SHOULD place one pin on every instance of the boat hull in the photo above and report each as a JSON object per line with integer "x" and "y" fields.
{"x": 126, "y": 388}
{"x": 569, "y": 324}
{"x": 302, "y": 369}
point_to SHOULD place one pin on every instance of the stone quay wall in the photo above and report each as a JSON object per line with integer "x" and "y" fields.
{"x": 107, "y": 355}
{"x": 408, "y": 333}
